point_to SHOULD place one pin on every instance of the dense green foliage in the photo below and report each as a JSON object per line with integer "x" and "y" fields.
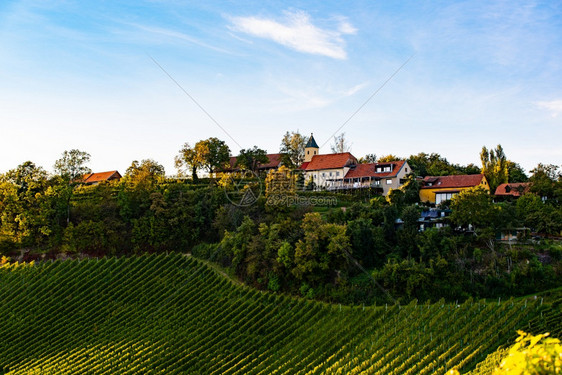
{"x": 173, "y": 314}
{"x": 352, "y": 247}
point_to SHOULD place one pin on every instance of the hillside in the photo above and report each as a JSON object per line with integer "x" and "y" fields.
{"x": 173, "y": 314}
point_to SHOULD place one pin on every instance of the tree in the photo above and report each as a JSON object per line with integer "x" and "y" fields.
{"x": 146, "y": 172}
{"x": 368, "y": 159}
{"x": 432, "y": 164}
{"x": 340, "y": 144}
{"x": 292, "y": 148}
{"x": 411, "y": 189}
{"x": 72, "y": 165}
{"x": 546, "y": 180}
{"x": 280, "y": 184}
{"x": 189, "y": 158}
{"x": 251, "y": 158}
{"x": 467, "y": 169}
{"x": 515, "y": 173}
{"x": 494, "y": 166}
{"x": 24, "y": 175}
{"x": 473, "y": 207}
{"x": 323, "y": 251}
{"x": 212, "y": 153}
{"x": 388, "y": 158}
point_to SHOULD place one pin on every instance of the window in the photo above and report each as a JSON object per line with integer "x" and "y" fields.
{"x": 441, "y": 197}
{"x": 337, "y": 174}
{"x": 330, "y": 174}
{"x": 389, "y": 181}
{"x": 406, "y": 170}
{"x": 308, "y": 152}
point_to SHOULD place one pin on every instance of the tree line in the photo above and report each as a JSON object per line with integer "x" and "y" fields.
{"x": 353, "y": 252}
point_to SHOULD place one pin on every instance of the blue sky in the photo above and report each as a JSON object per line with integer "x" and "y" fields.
{"x": 80, "y": 74}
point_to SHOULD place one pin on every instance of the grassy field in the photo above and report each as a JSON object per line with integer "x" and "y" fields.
{"x": 172, "y": 314}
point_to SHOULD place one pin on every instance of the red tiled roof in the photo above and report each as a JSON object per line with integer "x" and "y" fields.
{"x": 101, "y": 176}
{"x": 274, "y": 160}
{"x": 232, "y": 162}
{"x": 515, "y": 189}
{"x": 454, "y": 181}
{"x": 370, "y": 170}
{"x": 304, "y": 165}
{"x": 330, "y": 161}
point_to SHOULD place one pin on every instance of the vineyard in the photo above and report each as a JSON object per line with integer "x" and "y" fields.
{"x": 172, "y": 314}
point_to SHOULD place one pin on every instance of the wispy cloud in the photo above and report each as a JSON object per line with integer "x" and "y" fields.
{"x": 177, "y": 35}
{"x": 553, "y": 106}
{"x": 297, "y": 31}
{"x": 299, "y": 96}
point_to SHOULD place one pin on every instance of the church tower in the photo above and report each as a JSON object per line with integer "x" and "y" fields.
{"x": 310, "y": 149}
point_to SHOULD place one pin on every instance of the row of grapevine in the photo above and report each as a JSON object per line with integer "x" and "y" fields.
{"x": 172, "y": 314}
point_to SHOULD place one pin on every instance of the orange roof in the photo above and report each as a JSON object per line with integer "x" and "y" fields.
{"x": 515, "y": 189}
{"x": 91, "y": 178}
{"x": 454, "y": 181}
{"x": 331, "y": 161}
{"x": 370, "y": 170}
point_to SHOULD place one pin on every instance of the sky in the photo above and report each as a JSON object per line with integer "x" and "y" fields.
{"x": 134, "y": 80}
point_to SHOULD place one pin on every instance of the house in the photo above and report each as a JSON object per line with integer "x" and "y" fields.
{"x": 384, "y": 176}
{"x": 96, "y": 178}
{"x": 326, "y": 171}
{"x": 512, "y": 190}
{"x": 274, "y": 162}
{"x": 433, "y": 218}
{"x": 343, "y": 171}
{"x": 437, "y": 189}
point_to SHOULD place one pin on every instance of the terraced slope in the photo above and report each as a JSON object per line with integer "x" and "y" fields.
{"x": 173, "y": 314}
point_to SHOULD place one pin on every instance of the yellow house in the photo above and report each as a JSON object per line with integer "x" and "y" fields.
{"x": 436, "y": 189}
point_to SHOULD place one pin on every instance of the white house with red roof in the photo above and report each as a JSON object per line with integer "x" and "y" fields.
{"x": 343, "y": 171}
{"x": 385, "y": 176}
{"x": 328, "y": 171}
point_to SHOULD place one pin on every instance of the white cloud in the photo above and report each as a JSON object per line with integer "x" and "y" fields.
{"x": 553, "y": 106}
{"x": 298, "y": 32}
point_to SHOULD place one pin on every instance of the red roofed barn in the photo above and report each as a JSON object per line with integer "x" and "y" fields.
{"x": 96, "y": 178}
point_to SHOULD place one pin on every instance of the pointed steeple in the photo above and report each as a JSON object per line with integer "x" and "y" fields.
{"x": 311, "y": 142}
{"x": 310, "y": 149}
